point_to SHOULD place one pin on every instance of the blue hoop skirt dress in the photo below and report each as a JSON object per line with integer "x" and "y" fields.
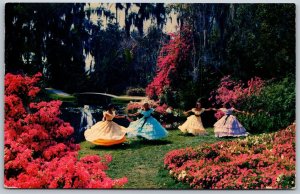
{"x": 146, "y": 127}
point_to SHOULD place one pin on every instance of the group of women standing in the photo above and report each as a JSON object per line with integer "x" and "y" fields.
{"x": 107, "y": 132}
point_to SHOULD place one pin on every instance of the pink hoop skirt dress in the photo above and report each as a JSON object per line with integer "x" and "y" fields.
{"x": 229, "y": 126}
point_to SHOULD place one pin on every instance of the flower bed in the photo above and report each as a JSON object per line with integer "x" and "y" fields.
{"x": 38, "y": 149}
{"x": 266, "y": 161}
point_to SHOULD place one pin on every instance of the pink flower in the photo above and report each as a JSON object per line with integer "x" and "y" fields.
{"x": 240, "y": 164}
{"x": 39, "y": 151}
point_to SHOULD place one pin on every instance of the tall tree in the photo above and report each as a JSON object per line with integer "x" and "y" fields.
{"x": 54, "y": 45}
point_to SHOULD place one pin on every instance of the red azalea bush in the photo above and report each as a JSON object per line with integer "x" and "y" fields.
{"x": 170, "y": 57}
{"x": 266, "y": 161}
{"x": 38, "y": 149}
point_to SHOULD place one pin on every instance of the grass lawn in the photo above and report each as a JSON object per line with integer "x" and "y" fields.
{"x": 62, "y": 98}
{"x": 141, "y": 161}
{"x": 59, "y": 95}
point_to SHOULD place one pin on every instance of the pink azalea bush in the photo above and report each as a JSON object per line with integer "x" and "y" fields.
{"x": 134, "y": 106}
{"x": 38, "y": 149}
{"x": 266, "y": 161}
{"x": 272, "y": 102}
{"x": 230, "y": 91}
{"x": 161, "y": 109}
{"x": 235, "y": 92}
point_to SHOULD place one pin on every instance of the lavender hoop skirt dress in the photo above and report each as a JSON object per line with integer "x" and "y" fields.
{"x": 146, "y": 127}
{"x": 228, "y": 125}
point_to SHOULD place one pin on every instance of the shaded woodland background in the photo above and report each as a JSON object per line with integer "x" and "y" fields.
{"x": 243, "y": 54}
{"x": 243, "y": 40}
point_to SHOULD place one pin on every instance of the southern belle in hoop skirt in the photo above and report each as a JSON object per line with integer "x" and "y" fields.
{"x": 228, "y": 125}
{"x": 147, "y": 126}
{"x": 106, "y": 132}
{"x": 193, "y": 124}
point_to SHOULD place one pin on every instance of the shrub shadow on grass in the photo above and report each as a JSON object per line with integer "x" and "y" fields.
{"x": 132, "y": 144}
{"x": 155, "y": 142}
{"x": 122, "y": 146}
{"x": 192, "y": 135}
{"x": 186, "y": 135}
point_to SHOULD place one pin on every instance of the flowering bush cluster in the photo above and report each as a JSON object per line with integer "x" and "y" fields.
{"x": 230, "y": 91}
{"x": 273, "y": 108}
{"x": 170, "y": 57}
{"x": 266, "y": 161}
{"x": 234, "y": 92}
{"x": 39, "y": 150}
{"x": 134, "y": 106}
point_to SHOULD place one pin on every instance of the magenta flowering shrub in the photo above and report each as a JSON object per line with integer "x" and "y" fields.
{"x": 266, "y": 161}
{"x": 38, "y": 149}
{"x": 161, "y": 109}
{"x": 134, "y": 106}
{"x": 168, "y": 61}
{"x": 230, "y": 91}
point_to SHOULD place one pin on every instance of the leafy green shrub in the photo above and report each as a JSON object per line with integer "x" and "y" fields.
{"x": 135, "y": 92}
{"x": 273, "y": 109}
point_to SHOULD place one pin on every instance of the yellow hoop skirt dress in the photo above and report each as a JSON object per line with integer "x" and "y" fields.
{"x": 106, "y": 133}
{"x": 193, "y": 124}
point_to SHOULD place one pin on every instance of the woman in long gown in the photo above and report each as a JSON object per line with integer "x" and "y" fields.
{"x": 193, "y": 124}
{"x": 228, "y": 125}
{"x": 106, "y": 132}
{"x": 147, "y": 126}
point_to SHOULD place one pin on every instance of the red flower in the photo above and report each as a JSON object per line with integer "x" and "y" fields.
{"x": 39, "y": 151}
{"x": 168, "y": 61}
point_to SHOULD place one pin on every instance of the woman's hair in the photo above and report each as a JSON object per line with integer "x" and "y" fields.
{"x": 227, "y": 105}
{"x": 110, "y": 107}
{"x": 146, "y": 104}
{"x": 198, "y": 103}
